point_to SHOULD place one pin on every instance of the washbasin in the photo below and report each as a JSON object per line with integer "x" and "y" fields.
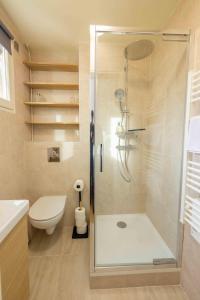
{"x": 11, "y": 212}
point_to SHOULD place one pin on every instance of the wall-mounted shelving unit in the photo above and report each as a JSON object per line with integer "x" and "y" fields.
{"x": 37, "y": 85}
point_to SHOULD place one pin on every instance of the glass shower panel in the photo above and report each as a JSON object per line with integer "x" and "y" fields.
{"x": 139, "y": 121}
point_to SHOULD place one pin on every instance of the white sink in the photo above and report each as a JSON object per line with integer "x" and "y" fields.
{"x": 11, "y": 212}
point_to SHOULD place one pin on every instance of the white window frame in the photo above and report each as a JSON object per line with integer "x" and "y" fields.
{"x": 8, "y": 104}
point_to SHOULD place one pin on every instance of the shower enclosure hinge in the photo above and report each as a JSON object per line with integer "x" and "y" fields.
{"x": 164, "y": 261}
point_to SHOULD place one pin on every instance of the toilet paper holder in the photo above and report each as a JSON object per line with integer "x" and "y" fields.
{"x": 79, "y": 187}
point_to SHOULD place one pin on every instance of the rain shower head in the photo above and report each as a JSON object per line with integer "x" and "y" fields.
{"x": 139, "y": 50}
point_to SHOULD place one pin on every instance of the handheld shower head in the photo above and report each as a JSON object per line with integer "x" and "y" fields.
{"x": 119, "y": 94}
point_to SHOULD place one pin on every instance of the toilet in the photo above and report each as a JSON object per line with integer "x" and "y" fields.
{"x": 47, "y": 212}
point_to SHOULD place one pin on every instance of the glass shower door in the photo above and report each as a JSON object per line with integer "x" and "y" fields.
{"x": 139, "y": 117}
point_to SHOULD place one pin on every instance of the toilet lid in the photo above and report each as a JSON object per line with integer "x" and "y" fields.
{"x": 47, "y": 207}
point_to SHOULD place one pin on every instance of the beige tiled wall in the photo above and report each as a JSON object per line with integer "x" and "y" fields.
{"x": 13, "y": 131}
{"x": 58, "y": 178}
{"x": 165, "y": 111}
{"x": 113, "y": 194}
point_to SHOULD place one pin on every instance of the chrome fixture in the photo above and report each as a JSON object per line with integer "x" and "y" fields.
{"x": 134, "y": 51}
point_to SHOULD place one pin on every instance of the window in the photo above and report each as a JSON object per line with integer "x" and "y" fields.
{"x": 4, "y": 72}
{"x": 6, "y": 95}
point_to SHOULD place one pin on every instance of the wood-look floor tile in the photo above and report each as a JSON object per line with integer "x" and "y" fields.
{"x": 60, "y": 243}
{"x": 74, "y": 276}
{"x": 44, "y": 273}
{"x": 59, "y": 270}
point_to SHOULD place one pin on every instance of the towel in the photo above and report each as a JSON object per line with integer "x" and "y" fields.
{"x": 194, "y": 135}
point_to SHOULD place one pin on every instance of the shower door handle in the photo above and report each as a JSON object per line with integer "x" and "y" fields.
{"x": 101, "y": 157}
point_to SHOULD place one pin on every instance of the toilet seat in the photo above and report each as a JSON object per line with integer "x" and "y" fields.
{"x": 47, "y": 208}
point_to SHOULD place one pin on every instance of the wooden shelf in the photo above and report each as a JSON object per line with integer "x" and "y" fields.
{"x": 40, "y": 66}
{"x": 52, "y": 85}
{"x": 36, "y": 105}
{"x": 71, "y": 124}
{"x": 52, "y": 104}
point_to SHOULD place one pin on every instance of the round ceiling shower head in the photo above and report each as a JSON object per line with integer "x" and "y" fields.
{"x": 139, "y": 49}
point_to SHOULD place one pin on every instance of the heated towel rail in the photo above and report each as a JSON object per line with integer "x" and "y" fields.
{"x": 191, "y": 165}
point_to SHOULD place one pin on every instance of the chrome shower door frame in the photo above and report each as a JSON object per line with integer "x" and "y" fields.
{"x": 175, "y": 35}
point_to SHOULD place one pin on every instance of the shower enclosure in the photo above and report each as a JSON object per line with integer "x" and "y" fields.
{"x": 138, "y": 96}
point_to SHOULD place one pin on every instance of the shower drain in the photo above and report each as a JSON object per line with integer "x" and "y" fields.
{"x": 121, "y": 224}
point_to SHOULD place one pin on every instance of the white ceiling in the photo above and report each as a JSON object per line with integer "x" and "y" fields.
{"x": 56, "y": 24}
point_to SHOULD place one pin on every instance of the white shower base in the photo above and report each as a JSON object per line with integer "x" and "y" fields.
{"x": 138, "y": 243}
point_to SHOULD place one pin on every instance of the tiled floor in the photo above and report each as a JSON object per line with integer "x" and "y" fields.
{"x": 59, "y": 270}
{"x": 139, "y": 242}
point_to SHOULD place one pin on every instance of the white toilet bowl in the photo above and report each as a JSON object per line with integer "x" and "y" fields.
{"x": 47, "y": 212}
